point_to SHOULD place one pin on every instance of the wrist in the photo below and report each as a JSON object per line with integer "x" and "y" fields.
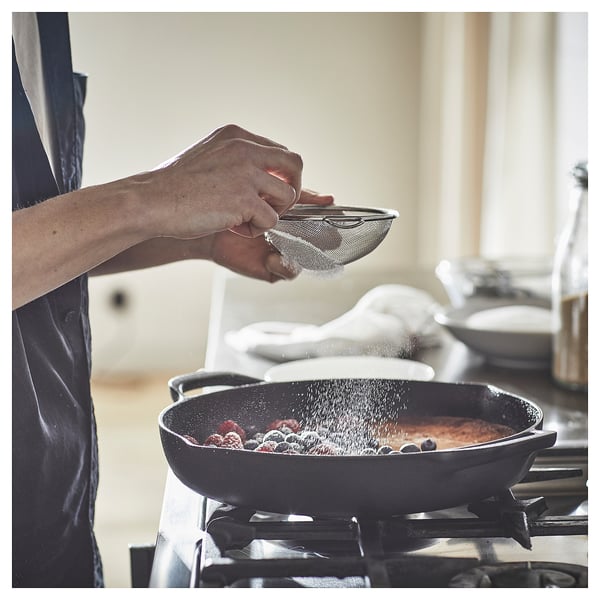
{"x": 142, "y": 205}
{"x": 197, "y": 248}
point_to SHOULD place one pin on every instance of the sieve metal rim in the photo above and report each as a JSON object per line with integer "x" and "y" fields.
{"x": 329, "y": 214}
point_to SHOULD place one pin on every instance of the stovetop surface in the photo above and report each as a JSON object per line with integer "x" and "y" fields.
{"x": 500, "y": 542}
{"x": 208, "y": 544}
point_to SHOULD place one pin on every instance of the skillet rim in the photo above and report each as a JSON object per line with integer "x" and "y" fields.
{"x": 529, "y": 432}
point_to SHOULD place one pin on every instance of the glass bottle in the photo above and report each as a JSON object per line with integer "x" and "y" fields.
{"x": 570, "y": 290}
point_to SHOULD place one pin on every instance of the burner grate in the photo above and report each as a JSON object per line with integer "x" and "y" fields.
{"x": 523, "y": 574}
{"x": 372, "y": 559}
{"x": 375, "y": 552}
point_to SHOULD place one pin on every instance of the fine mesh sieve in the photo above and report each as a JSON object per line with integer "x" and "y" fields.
{"x": 324, "y": 238}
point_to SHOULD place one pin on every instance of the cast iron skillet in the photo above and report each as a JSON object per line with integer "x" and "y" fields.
{"x": 344, "y": 486}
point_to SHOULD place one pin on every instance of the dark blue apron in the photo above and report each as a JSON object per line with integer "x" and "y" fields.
{"x": 54, "y": 454}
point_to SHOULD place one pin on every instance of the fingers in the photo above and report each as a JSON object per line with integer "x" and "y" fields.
{"x": 310, "y": 197}
{"x": 274, "y": 158}
{"x": 260, "y": 217}
{"x": 230, "y": 132}
{"x": 276, "y": 171}
{"x": 278, "y": 269}
{"x": 277, "y": 161}
{"x": 250, "y": 257}
{"x": 282, "y": 164}
{"x": 279, "y": 194}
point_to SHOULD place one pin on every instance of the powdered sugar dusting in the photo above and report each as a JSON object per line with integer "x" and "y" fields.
{"x": 351, "y": 409}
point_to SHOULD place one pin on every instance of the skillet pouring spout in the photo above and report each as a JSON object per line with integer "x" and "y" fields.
{"x": 375, "y": 486}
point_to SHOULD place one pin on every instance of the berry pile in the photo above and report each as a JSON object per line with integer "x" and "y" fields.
{"x": 286, "y": 436}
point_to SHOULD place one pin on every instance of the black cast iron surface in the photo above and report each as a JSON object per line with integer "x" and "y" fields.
{"x": 335, "y": 486}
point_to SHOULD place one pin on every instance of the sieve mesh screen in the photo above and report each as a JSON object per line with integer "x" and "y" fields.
{"x": 326, "y": 238}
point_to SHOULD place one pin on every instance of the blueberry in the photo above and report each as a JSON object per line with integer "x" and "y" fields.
{"x": 251, "y": 444}
{"x": 299, "y": 448}
{"x": 285, "y": 430}
{"x": 310, "y": 439}
{"x": 258, "y": 437}
{"x": 274, "y": 436}
{"x": 410, "y": 447}
{"x": 384, "y": 450}
{"x": 281, "y": 446}
{"x": 428, "y": 445}
{"x": 372, "y": 442}
{"x": 368, "y": 451}
{"x": 293, "y": 438}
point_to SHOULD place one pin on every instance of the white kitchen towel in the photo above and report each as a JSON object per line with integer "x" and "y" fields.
{"x": 389, "y": 320}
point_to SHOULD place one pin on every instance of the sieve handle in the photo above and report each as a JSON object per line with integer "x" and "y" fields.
{"x": 349, "y": 223}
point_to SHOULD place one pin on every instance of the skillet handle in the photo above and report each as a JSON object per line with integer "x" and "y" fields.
{"x": 536, "y": 439}
{"x": 522, "y": 448}
{"x": 199, "y": 379}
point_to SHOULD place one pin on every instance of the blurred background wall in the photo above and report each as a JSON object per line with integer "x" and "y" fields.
{"x": 466, "y": 123}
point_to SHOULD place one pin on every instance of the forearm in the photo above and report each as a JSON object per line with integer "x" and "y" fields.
{"x": 63, "y": 237}
{"x": 232, "y": 181}
{"x": 154, "y": 252}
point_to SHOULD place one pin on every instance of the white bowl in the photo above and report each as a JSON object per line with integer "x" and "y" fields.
{"x": 350, "y": 367}
{"x": 512, "y": 278}
{"x": 506, "y": 344}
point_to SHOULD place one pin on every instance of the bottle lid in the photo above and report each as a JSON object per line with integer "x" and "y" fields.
{"x": 580, "y": 173}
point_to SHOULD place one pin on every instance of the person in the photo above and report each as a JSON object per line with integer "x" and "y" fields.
{"x": 212, "y": 201}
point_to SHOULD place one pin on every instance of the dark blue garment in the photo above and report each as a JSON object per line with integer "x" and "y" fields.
{"x": 54, "y": 454}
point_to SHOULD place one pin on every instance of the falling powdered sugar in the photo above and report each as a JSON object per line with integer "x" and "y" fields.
{"x": 348, "y": 411}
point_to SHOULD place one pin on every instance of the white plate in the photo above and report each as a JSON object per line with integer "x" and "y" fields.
{"x": 505, "y": 344}
{"x": 350, "y": 367}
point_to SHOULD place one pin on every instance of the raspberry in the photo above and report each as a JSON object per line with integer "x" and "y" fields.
{"x": 232, "y": 440}
{"x": 215, "y": 439}
{"x": 267, "y": 447}
{"x": 229, "y": 425}
{"x": 323, "y": 449}
{"x": 192, "y": 440}
{"x": 291, "y": 423}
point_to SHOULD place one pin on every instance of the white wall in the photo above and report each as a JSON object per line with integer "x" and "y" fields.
{"x": 341, "y": 89}
{"x": 571, "y": 100}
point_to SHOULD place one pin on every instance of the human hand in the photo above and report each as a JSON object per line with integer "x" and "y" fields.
{"x": 231, "y": 180}
{"x": 255, "y": 257}
{"x": 251, "y": 257}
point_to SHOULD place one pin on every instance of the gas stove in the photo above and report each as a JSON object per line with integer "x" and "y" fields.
{"x": 502, "y": 541}
{"x": 514, "y": 539}
{"x": 534, "y": 535}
